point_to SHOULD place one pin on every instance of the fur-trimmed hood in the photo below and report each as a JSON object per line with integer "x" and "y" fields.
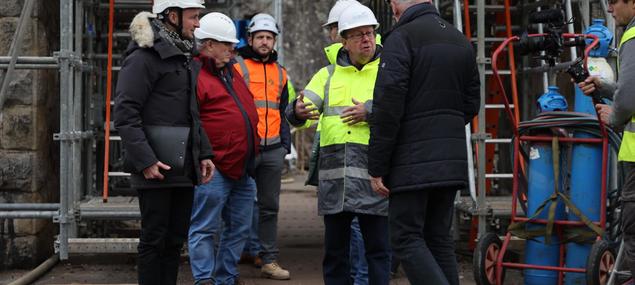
{"x": 141, "y": 30}
{"x": 145, "y": 35}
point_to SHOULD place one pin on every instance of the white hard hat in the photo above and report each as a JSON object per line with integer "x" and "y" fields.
{"x": 160, "y": 5}
{"x": 337, "y": 10}
{"x": 216, "y": 26}
{"x": 263, "y": 22}
{"x": 356, "y": 16}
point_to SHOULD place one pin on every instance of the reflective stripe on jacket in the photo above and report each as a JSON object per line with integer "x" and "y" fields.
{"x": 344, "y": 183}
{"x": 627, "y": 148}
{"x": 266, "y": 81}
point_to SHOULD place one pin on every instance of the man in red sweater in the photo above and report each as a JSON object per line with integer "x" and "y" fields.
{"x": 229, "y": 117}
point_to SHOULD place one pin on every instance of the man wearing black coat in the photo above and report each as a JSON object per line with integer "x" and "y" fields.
{"x": 427, "y": 89}
{"x": 156, "y": 98}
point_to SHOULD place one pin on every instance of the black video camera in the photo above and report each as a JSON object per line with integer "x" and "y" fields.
{"x": 552, "y": 42}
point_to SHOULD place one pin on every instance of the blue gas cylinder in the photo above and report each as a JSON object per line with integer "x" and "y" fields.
{"x": 604, "y": 35}
{"x": 540, "y": 177}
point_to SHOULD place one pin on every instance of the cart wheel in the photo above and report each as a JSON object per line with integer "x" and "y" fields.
{"x": 600, "y": 263}
{"x": 485, "y": 255}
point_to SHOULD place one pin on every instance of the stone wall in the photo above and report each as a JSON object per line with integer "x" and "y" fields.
{"x": 28, "y": 155}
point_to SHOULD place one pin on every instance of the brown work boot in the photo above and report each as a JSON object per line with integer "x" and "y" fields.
{"x": 274, "y": 271}
{"x": 257, "y": 262}
{"x": 246, "y": 258}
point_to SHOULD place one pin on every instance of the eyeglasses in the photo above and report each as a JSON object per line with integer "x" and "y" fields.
{"x": 360, "y": 36}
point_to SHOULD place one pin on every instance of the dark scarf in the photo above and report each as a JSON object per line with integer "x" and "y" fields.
{"x": 173, "y": 37}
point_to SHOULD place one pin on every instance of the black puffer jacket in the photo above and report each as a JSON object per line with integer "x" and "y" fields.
{"x": 157, "y": 87}
{"x": 427, "y": 89}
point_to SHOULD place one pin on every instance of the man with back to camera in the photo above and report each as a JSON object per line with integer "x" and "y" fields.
{"x": 417, "y": 142}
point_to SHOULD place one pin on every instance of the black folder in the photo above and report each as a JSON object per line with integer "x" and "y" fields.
{"x": 169, "y": 144}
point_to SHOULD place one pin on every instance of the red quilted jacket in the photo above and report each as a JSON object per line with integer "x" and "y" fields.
{"x": 229, "y": 117}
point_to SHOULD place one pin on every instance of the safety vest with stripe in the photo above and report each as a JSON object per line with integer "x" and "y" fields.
{"x": 344, "y": 183}
{"x": 266, "y": 82}
{"x": 627, "y": 148}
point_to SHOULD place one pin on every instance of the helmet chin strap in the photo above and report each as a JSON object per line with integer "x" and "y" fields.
{"x": 179, "y": 26}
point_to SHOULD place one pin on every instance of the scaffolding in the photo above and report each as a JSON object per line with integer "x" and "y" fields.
{"x": 80, "y": 114}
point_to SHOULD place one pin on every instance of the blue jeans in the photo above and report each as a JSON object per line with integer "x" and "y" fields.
{"x": 233, "y": 201}
{"x": 359, "y": 266}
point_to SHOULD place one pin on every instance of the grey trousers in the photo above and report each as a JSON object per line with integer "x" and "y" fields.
{"x": 269, "y": 166}
{"x": 628, "y": 215}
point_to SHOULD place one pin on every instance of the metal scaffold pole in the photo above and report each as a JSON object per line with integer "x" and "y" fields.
{"x": 66, "y": 102}
{"x": 279, "y": 43}
{"x": 480, "y": 55}
{"x": 77, "y": 115}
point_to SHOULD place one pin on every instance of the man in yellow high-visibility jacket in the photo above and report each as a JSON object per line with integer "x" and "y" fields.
{"x": 622, "y": 114}
{"x": 342, "y": 95}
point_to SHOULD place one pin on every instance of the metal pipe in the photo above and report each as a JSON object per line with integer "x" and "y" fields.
{"x": 76, "y": 118}
{"x": 585, "y": 11}
{"x": 481, "y": 201}
{"x": 36, "y": 273}
{"x": 29, "y": 206}
{"x": 66, "y": 86}
{"x": 279, "y": 17}
{"x": 28, "y": 214}
{"x": 30, "y": 66}
{"x": 545, "y": 75}
{"x": 546, "y": 68}
{"x": 458, "y": 23}
{"x": 16, "y": 46}
{"x": 570, "y": 29}
{"x": 133, "y": 215}
{"x": 30, "y": 59}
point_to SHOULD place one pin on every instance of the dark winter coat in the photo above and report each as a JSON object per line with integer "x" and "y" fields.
{"x": 426, "y": 91}
{"x": 157, "y": 87}
{"x": 229, "y": 116}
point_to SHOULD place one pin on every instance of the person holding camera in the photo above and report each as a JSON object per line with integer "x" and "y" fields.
{"x": 622, "y": 114}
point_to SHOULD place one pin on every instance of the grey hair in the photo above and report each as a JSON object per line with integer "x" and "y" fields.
{"x": 199, "y": 43}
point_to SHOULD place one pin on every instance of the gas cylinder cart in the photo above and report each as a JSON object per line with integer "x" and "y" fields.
{"x": 571, "y": 222}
